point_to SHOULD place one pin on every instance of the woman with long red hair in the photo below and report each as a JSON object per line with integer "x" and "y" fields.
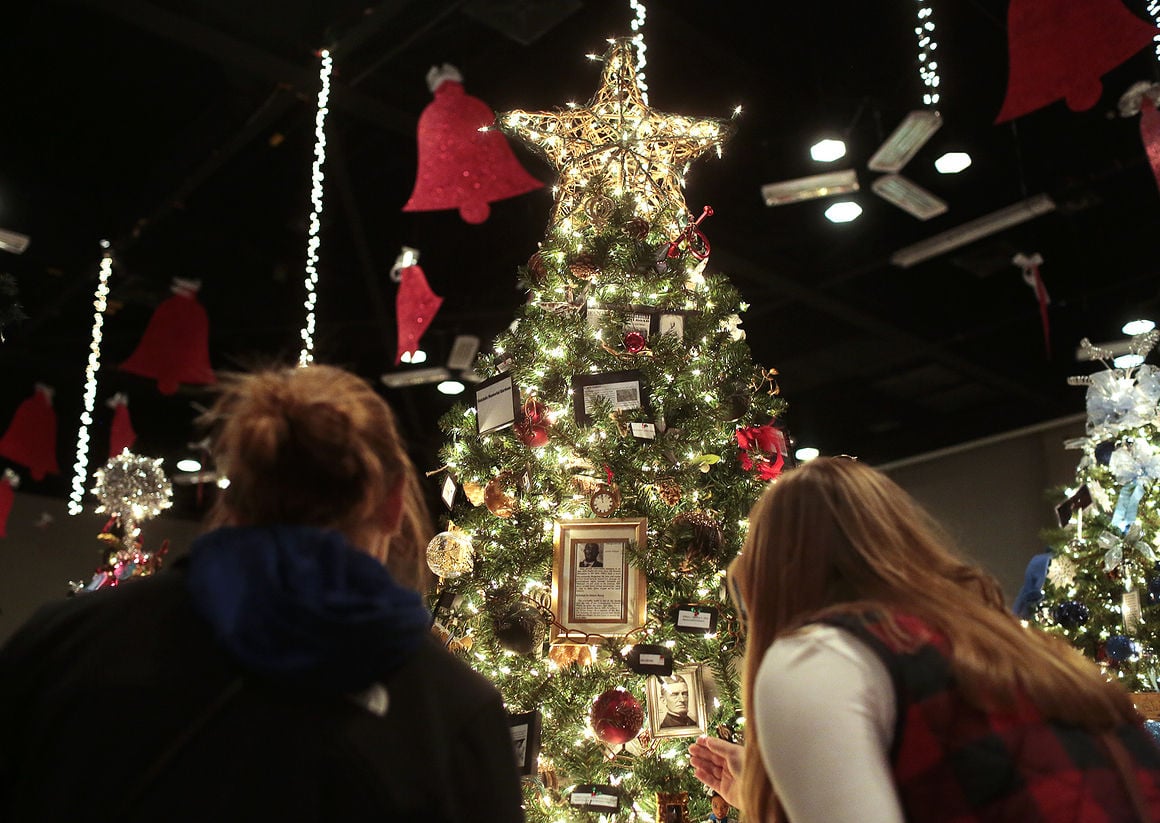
{"x": 885, "y": 680}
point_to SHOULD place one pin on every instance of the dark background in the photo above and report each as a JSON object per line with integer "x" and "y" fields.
{"x": 182, "y": 132}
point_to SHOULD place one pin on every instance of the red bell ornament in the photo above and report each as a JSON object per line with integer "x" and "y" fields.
{"x": 1061, "y": 50}
{"x": 460, "y": 166}
{"x": 415, "y": 308}
{"x": 30, "y": 440}
{"x": 121, "y": 433}
{"x": 175, "y": 346}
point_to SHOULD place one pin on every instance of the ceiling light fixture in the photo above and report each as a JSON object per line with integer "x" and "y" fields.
{"x": 1134, "y": 327}
{"x": 415, "y": 377}
{"x": 806, "y": 453}
{"x": 463, "y": 352}
{"x": 828, "y": 150}
{"x": 451, "y": 387}
{"x": 810, "y": 188}
{"x": 952, "y": 162}
{"x": 1128, "y": 361}
{"x": 973, "y": 230}
{"x": 13, "y": 241}
{"x": 908, "y": 196}
{"x": 843, "y": 211}
{"x": 905, "y": 141}
{"x": 189, "y": 465}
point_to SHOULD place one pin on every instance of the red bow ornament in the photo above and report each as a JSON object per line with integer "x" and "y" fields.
{"x": 762, "y": 450}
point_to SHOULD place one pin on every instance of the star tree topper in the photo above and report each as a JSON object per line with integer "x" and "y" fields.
{"x": 619, "y": 140}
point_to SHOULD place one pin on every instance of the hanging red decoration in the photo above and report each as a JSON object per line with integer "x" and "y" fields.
{"x": 175, "y": 346}
{"x": 1060, "y": 50}
{"x": 121, "y": 433}
{"x": 8, "y": 483}
{"x": 532, "y": 429}
{"x": 1150, "y": 135}
{"x": 1029, "y": 265}
{"x": 616, "y": 717}
{"x": 415, "y": 308}
{"x": 31, "y": 437}
{"x": 460, "y": 166}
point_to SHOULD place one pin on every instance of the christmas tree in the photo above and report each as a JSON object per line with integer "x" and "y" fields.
{"x": 1102, "y": 588}
{"x": 619, "y": 436}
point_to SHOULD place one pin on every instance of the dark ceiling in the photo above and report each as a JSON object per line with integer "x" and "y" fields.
{"x": 182, "y": 132}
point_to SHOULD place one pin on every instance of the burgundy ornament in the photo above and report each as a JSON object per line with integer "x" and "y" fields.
{"x": 616, "y": 716}
{"x": 634, "y": 342}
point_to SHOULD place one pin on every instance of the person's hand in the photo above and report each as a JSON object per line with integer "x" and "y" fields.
{"x": 717, "y": 764}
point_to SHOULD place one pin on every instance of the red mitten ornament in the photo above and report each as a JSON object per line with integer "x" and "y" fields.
{"x": 415, "y": 308}
{"x": 461, "y": 167}
{"x": 8, "y": 483}
{"x": 31, "y": 436}
{"x": 175, "y": 346}
{"x": 1061, "y": 49}
{"x": 121, "y": 434}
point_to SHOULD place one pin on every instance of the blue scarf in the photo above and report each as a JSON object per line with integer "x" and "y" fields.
{"x": 303, "y": 605}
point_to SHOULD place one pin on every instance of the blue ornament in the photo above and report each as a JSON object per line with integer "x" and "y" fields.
{"x": 1071, "y": 614}
{"x": 1119, "y": 648}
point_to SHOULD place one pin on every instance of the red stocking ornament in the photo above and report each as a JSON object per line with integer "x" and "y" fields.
{"x": 1029, "y": 265}
{"x": 175, "y": 346}
{"x": 31, "y": 437}
{"x": 8, "y": 483}
{"x": 461, "y": 167}
{"x": 1061, "y": 49}
{"x": 121, "y": 434}
{"x": 415, "y": 308}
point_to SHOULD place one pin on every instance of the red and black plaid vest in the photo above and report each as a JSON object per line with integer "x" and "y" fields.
{"x": 954, "y": 763}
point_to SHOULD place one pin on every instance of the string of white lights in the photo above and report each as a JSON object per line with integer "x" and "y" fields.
{"x": 306, "y": 356}
{"x": 637, "y": 25}
{"x": 100, "y": 302}
{"x": 927, "y": 64}
{"x": 1154, "y": 10}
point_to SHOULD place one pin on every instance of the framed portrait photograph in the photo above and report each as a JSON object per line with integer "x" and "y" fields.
{"x": 497, "y": 403}
{"x": 671, "y": 322}
{"x": 526, "y": 740}
{"x": 622, "y": 390}
{"x": 595, "y": 590}
{"x": 676, "y": 703}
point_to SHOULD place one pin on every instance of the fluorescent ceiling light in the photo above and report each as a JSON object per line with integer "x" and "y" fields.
{"x": 13, "y": 241}
{"x": 905, "y": 141}
{"x": 952, "y": 162}
{"x": 415, "y": 377}
{"x": 843, "y": 211}
{"x": 463, "y": 352}
{"x": 1134, "y": 327}
{"x": 810, "y": 188}
{"x": 451, "y": 387}
{"x": 908, "y": 196}
{"x": 828, "y": 150}
{"x": 414, "y": 357}
{"x": 973, "y": 230}
{"x": 1128, "y": 361}
{"x": 188, "y": 465}
{"x": 806, "y": 453}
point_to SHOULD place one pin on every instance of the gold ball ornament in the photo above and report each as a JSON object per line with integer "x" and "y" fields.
{"x": 497, "y": 500}
{"x": 451, "y": 554}
{"x": 474, "y": 493}
{"x": 599, "y": 207}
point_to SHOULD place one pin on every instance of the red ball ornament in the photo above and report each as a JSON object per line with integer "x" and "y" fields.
{"x": 531, "y": 435}
{"x": 616, "y": 717}
{"x": 634, "y": 342}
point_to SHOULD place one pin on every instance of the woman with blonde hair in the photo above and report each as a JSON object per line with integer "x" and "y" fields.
{"x": 885, "y": 680}
{"x": 280, "y": 671}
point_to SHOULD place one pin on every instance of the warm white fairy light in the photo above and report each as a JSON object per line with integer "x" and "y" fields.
{"x": 927, "y": 64}
{"x": 637, "y": 25}
{"x": 1154, "y": 11}
{"x": 306, "y": 356}
{"x": 100, "y": 302}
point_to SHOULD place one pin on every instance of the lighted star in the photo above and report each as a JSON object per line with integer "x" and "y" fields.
{"x": 618, "y": 140}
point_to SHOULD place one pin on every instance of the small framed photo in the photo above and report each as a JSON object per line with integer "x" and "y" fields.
{"x": 526, "y": 740}
{"x": 671, "y": 322}
{"x": 676, "y": 704}
{"x": 595, "y": 590}
{"x": 497, "y": 403}
{"x": 448, "y": 491}
{"x": 622, "y": 390}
